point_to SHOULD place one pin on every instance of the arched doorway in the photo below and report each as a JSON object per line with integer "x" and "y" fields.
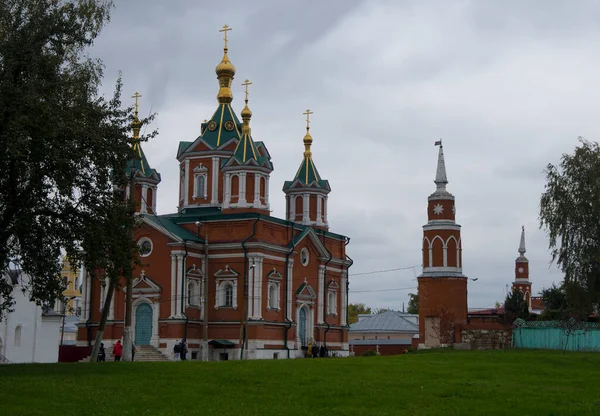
{"x": 143, "y": 324}
{"x": 302, "y": 327}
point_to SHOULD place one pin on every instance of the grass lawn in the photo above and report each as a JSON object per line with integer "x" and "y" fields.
{"x": 424, "y": 383}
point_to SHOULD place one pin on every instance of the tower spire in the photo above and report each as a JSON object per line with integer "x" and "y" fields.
{"x": 522, "y": 243}
{"x": 441, "y": 180}
{"x": 225, "y": 72}
{"x": 136, "y": 119}
{"x": 307, "y": 137}
{"x": 246, "y": 113}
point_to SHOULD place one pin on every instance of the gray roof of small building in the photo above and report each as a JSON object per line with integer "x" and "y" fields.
{"x": 390, "y": 321}
{"x": 379, "y": 342}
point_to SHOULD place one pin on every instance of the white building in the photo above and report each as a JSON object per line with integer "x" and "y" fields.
{"x": 28, "y": 334}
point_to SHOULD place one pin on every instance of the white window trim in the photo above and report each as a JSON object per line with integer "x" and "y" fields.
{"x": 220, "y": 295}
{"x": 204, "y": 194}
{"x": 332, "y": 306}
{"x": 143, "y": 240}
{"x": 277, "y": 287}
{"x": 304, "y": 250}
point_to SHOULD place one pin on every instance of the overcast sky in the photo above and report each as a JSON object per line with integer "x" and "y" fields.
{"x": 508, "y": 85}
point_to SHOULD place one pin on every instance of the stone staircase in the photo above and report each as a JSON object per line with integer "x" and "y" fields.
{"x": 144, "y": 353}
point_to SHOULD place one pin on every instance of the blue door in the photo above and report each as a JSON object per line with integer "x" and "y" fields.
{"x": 302, "y": 327}
{"x": 143, "y": 324}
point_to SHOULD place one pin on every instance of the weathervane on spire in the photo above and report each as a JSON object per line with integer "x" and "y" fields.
{"x": 225, "y": 30}
{"x": 245, "y": 84}
{"x": 438, "y": 143}
{"x": 307, "y": 113}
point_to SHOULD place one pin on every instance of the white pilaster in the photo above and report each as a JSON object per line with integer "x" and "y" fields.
{"x": 344, "y": 292}
{"x": 173, "y": 284}
{"x": 445, "y": 251}
{"x": 267, "y": 203}
{"x": 143, "y": 206}
{"x": 321, "y": 294}
{"x": 430, "y": 255}
{"x": 242, "y": 191}
{"x": 292, "y": 205}
{"x": 215, "y": 181}
{"x": 256, "y": 190}
{"x": 290, "y": 289}
{"x": 251, "y": 272}
{"x": 319, "y": 214}
{"x": 127, "y": 190}
{"x": 186, "y": 189}
{"x": 227, "y": 198}
{"x": 178, "y": 291}
{"x": 154, "y": 191}
{"x": 306, "y": 209}
{"x": 111, "y": 310}
{"x": 325, "y": 211}
{"x": 258, "y": 278}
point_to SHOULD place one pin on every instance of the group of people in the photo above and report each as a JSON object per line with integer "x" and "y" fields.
{"x": 180, "y": 350}
{"x": 117, "y": 351}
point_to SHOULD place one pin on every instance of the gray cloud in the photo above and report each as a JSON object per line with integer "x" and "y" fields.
{"x": 508, "y": 85}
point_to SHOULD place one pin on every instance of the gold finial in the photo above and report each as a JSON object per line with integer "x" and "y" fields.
{"x": 245, "y": 84}
{"x": 307, "y": 137}
{"x": 307, "y": 113}
{"x": 225, "y": 30}
{"x": 246, "y": 113}
{"x": 136, "y": 120}
{"x": 225, "y": 72}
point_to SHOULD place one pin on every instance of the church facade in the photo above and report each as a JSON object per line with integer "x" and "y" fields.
{"x": 222, "y": 272}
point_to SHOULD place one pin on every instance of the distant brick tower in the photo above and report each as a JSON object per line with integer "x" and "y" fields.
{"x": 522, "y": 282}
{"x": 442, "y": 286}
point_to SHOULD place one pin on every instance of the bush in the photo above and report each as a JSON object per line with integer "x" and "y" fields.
{"x": 369, "y": 353}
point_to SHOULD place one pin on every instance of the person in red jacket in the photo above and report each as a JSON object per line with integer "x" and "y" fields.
{"x": 118, "y": 350}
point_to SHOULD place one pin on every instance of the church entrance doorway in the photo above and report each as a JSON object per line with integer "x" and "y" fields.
{"x": 143, "y": 324}
{"x": 302, "y": 326}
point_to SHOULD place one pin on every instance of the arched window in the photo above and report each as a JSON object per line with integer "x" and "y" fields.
{"x": 228, "y": 295}
{"x": 190, "y": 293}
{"x": 200, "y": 186}
{"x": 332, "y": 303}
{"x": 18, "y": 336}
{"x": 274, "y": 296}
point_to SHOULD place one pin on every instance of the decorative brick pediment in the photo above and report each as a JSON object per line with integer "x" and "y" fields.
{"x": 226, "y": 272}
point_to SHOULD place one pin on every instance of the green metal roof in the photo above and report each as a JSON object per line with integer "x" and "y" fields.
{"x": 165, "y": 223}
{"x": 223, "y": 126}
{"x": 247, "y": 152}
{"x": 140, "y": 163}
{"x": 307, "y": 176}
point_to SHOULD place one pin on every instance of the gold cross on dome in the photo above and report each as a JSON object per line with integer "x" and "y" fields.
{"x": 225, "y": 30}
{"x": 245, "y": 84}
{"x": 136, "y": 96}
{"x": 307, "y": 113}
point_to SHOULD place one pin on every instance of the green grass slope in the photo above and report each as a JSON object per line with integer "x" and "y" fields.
{"x": 424, "y": 383}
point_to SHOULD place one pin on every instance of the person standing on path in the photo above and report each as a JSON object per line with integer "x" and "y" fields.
{"x": 132, "y": 351}
{"x": 176, "y": 351}
{"x": 183, "y": 349}
{"x": 118, "y": 350}
{"x": 101, "y": 353}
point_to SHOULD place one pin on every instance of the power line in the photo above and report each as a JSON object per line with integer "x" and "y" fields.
{"x": 383, "y": 271}
{"x": 382, "y": 290}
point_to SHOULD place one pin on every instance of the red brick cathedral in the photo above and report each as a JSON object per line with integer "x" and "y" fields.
{"x": 222, "y": 272}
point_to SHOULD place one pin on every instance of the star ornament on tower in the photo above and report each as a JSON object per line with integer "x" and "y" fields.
{"x": 438, "y": 209}
{"x": 521, "y": 270}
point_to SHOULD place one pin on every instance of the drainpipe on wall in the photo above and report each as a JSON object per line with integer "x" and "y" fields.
{"x": 244, "y": 322}
{"x": 289, "y": 323}
{"x": 347, "y": 280}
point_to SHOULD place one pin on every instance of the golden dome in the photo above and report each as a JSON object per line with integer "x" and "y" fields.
{"x": 246, "y": 113}
{"x": 225, "y": 67}
{"x": 307, "y": 142}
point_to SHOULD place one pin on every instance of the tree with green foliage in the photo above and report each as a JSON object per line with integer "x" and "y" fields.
{"x": 64, "y": 148}
{"x": 355, "y": 309}
{"x": 515, "y": 306}
{"x": 413, "y": 303}
{"x": 569, "y": 210}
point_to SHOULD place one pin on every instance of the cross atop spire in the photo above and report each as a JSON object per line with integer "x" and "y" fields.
{"x": 440, "y": 175}
{"x": 136, "y": 96}
{"x": 307, "y": 113}
{"x": 225, "y": 30}
{"x": 522, "y": 243}
{"x": 245, "y": 84}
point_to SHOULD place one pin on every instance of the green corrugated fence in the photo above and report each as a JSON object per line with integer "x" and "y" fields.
{"x": 552, "y": 335}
